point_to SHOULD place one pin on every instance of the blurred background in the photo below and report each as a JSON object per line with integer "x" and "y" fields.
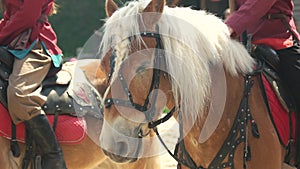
{"x": 76, "y": 21}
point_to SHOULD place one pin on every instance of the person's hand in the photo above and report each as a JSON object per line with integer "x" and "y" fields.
{"x": 232, "y": 33}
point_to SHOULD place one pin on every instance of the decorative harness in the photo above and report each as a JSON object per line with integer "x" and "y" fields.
{"x": 148, "y": 111}
{"x": 237, "y": 135}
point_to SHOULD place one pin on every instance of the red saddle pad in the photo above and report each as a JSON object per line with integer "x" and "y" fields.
{"x": 69, "y": 130}
{"x": 279, "y": 115}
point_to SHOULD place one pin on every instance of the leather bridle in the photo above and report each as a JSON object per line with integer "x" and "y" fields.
{"x": 148, "y": 108}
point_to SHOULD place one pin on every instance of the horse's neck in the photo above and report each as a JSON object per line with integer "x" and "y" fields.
{"x": 204, "y": 150}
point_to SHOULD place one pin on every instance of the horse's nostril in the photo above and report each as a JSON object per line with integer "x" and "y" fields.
{"x": 123, "y": 148}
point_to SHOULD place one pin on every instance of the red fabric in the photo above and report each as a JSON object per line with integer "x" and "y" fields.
{"x": 69, "y": 130}
{"x": 275, "y": 43}
{"x": 249, "y": 17}
{"x": 279, "y": 114}
{"x": 23, "y": 14}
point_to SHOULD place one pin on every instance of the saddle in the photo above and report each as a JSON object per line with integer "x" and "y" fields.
{"x": 279, "y": 102}
{"x": 65, "y": 94}
{"x": 268, "y": 61}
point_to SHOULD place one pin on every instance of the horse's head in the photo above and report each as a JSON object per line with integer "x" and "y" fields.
{"x": 138, "y": 87}
{"x": 157, "y": 57}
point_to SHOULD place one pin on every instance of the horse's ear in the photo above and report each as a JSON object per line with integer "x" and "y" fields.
{"x": 110, "y": 7}
{"x": 155, "y": 7}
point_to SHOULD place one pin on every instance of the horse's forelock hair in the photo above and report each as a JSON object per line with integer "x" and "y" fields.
{"x": 189, "y": 50}
{"x": 120, "y": 28}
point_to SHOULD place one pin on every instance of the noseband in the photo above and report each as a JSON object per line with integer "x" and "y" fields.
{"x": 181, "y": 155}
{"x": 147, "y": 108}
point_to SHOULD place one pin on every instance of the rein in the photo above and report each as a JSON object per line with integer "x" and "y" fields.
{"x": 149, "y": 112}
{"x": 237, "y": 135}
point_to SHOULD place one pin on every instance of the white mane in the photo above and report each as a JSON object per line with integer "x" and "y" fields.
{"x": 193, "y": 41}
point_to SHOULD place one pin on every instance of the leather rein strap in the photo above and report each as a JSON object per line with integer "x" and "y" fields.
{"x": 158, "y": 67}
{"x": 237, "y": 135}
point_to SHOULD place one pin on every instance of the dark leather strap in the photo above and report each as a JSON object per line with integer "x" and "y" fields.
{"x": 14, "y": 146}
{"x": 6, "y": 57}
{"x": 284, "y": 19}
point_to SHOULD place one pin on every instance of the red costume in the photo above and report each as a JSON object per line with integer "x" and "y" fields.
{"x": 251, "y": 16}
{"x": 27, "y": 34}
{"x": 270, "y": 22}
{"x": 20, "y": 16}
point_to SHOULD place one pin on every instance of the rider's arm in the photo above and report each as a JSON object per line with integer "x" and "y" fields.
{"x": 248, "y": 14}
{"x": 23, "y": 19}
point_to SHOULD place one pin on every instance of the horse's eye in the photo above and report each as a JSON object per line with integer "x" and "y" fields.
{"x": 140, "y": 69}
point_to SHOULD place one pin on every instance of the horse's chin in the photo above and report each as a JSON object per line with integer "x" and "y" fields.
{"x": 119, "y": 159}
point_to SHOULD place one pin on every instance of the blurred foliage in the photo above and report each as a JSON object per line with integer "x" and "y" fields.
{"x": 75, "y": 22}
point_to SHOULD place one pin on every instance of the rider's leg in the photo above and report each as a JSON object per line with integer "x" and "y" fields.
{"x": 25, "y": 101}
{"x": 290, "y": 75}
{"x": 290, "y": 70}
{"x": 43, "y": 135}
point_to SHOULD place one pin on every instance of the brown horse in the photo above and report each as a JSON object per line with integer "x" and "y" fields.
{"x": 88, "y": 154}
{"x": 158, "y": 57}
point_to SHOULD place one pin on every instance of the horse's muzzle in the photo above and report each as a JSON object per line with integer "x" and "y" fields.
{"x": 118, "y": 158}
